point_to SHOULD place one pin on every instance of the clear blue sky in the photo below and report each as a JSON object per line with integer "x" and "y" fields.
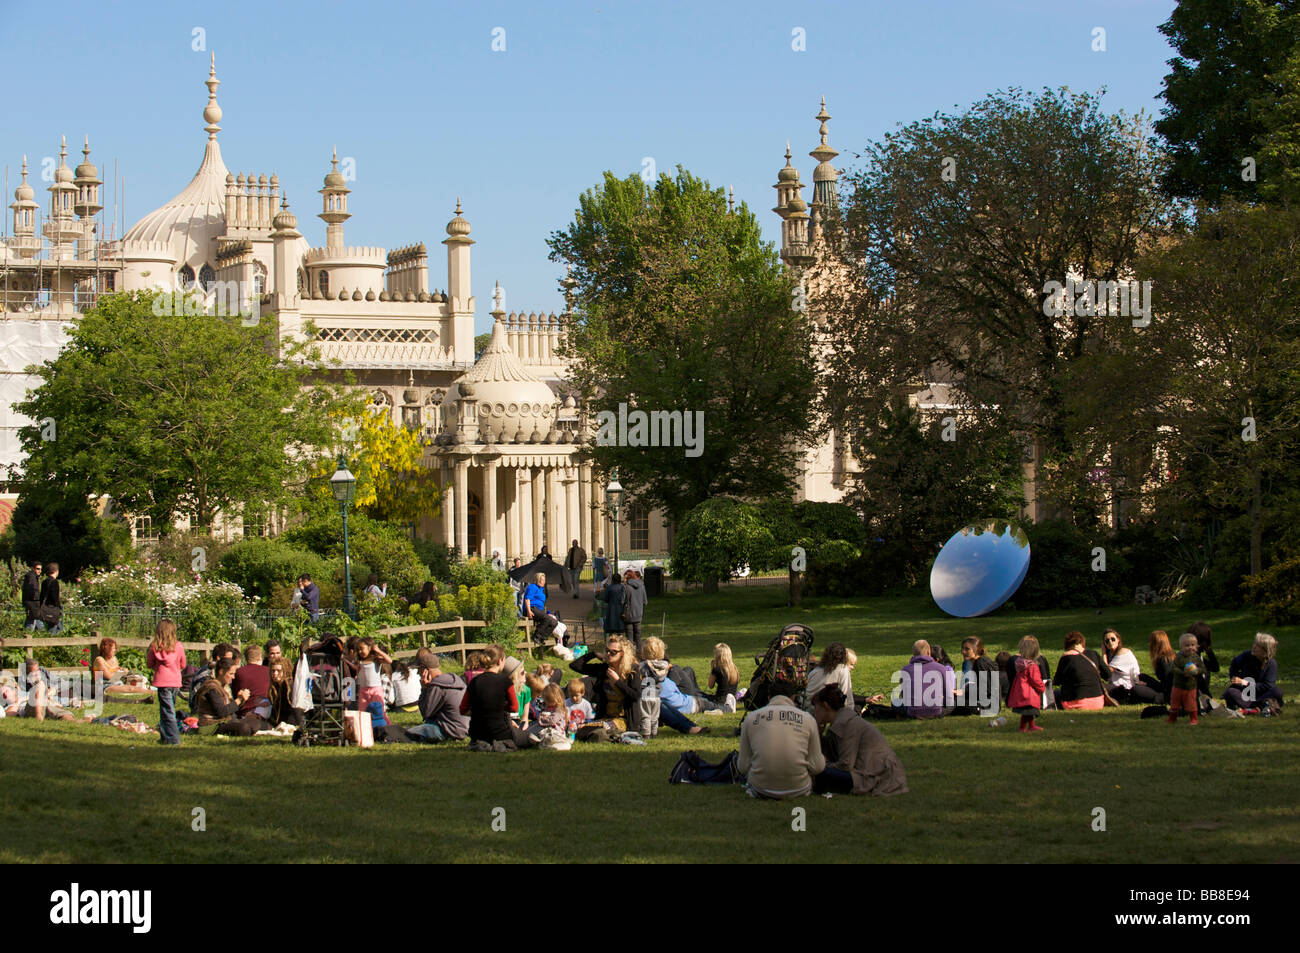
{"x": 415, "y": 94}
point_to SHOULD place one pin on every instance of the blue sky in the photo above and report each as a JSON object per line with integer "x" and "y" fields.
{"x": 417, "y": 97}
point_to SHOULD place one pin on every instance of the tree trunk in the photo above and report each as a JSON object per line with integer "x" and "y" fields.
{"x": 710, "y": 585}
{"x": 796, "y": 588}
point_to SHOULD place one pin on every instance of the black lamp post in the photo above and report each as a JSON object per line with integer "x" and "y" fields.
{"x": 614, "y": 498}
{"x": 344, "y": 485}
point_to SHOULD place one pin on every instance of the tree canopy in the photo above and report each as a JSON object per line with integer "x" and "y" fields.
{"x": 680, "y": 305}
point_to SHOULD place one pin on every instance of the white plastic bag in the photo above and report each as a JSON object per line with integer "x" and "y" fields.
{"x": 300, "y": 691}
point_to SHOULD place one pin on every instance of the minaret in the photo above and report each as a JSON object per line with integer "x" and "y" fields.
{"x": 793, "y": 211}
{"x": 87, "y": 205}
{"x": 824, "y": 176}
{"x": 24, "y": 206}
{"x": 334, "y": 201}
{"x": 283, "y": 236}
{"x": 460, "y": 303}
{"x": 61, "y": 227}
{"x": 212, "y": 112}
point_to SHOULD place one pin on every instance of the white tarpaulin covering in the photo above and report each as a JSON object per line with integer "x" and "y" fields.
{"x": 23, "y": 341}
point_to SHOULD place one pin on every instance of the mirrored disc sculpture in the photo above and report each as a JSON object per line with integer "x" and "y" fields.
{"x": 979, "y": 568}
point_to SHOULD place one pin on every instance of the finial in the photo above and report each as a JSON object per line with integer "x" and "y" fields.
{"x": 496, "y": 292}
{"x": 63, "y": 148}
{"x": 85, "y": 149}
{"x": 731, "y": 199}
{"x": 458, "y": 210}
{"x": 334, "y": 159}
{"x": 212, "y": 112}
{"x": 24, "y": 168}
{"x": 284, "y": 201}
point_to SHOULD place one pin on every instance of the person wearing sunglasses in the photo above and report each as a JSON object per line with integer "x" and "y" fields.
{"x": 1126, "y": 685}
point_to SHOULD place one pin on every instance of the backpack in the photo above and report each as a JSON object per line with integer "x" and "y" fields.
{"x": 647, "y": 709}
{"x": 784, "y": 664}
{"x": 691, "y": 769}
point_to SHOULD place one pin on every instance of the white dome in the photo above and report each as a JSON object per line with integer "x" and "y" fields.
{"x": 512, "y": 403}
{"x": 193, "y": 219}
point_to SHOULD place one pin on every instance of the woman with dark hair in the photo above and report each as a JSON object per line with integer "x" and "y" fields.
{"x": 213, "y": 703}
{"x": 980, "y": 686}
{"x": 1080, "y": 680}
{"x": 858, "y": 758}
{"x": 1126, "y": 685}
{"x": 831, "y": 669}
{"x": 615, "y": 594}
{"x": 282, "y": 710}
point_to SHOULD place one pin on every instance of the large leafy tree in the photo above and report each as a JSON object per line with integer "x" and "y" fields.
{"x": 1230, "y": 95}
{"x": 954, "y": 228}
{"x": 171, "y": 414}
{"x": 1230, "y": 332}
{"x": 680, "y": 305}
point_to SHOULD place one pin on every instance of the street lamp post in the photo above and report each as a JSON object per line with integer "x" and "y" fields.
{"x": 344, "y": 485}
{"x": 614, "y": 497}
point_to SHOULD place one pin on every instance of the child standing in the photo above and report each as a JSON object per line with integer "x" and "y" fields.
{"x": 1025, "y": 697}
{"x": 1188, "y": 668}
{"x": 370, "y": 683}
{"x": 166, "y": 657}
{"x": 580, "y": 711}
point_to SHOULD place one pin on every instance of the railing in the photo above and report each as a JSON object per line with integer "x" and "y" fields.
{"x": 144, "y": 619}
{"x": 460, "y": 645}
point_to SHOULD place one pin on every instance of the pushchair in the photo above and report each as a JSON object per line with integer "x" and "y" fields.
{"x": 324, "y": 723}
{"x": 783, "y": 669}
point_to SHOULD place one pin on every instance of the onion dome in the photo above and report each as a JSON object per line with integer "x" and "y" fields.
{"x": 458, "y": 227}
{"x": 24, "y": 193}
{"x": 789, "y": 173}
{"x": 510, "y": 399}
{"x": 285, "y": 220}
{"x": 87, "y": 170}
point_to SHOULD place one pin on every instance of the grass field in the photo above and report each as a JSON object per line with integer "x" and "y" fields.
{"x": 1225, "y": 790}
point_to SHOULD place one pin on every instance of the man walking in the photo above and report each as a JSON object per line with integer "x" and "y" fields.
{"x": 573, "y": 563}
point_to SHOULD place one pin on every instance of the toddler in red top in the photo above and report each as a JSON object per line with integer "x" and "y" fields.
{"x": 1188, "y": 668}
{"x": 1026, "y": 694}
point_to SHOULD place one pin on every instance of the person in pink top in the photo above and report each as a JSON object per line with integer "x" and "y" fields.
{"x": 166, "y": 657}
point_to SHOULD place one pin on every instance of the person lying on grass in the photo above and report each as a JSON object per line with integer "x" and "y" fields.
{"x": 39, "y": 704}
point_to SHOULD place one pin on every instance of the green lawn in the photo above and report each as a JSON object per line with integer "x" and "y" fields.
{"x": 1225, "y": 789}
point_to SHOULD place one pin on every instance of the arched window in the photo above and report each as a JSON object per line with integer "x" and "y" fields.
{"x": 302, "y": 281}
{"x": 186, "y": 276}
{"x": 259, "y": 281}
{"x": 206, "y": 277}
{"x": 323, "y": 283}
{"x": 473, "y": 512}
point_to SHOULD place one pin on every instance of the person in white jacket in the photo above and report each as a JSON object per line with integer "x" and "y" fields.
{"x": 780, "y": 750}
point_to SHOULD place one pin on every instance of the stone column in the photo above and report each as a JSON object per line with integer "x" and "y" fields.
{"x": 553, "y": 514}
{"x": 490, "y": 504}
{"x": 462, "y": 508}
{"x": 572, "y": 518}
{"x": 585, "y": 539}
{"x": 598, "y": 521}
{"x": 538, "y": 510}
{"x": 448, "y": 506}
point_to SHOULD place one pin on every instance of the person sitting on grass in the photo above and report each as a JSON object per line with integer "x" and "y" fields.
{"x": 1162, "y": 663}
{"x": 441, "y": 694}
{"x": 831, "y": 669}
{"x": 1126, "y": 685}
{"x": 981, "y": 681}
{"x": 221, "y": 651}
{"x": 724, "y": 677}
{"x": 616, "y": 685}
{"x": 282, "y": 710}
{"x": 858, "y": 758}
{"x": 1253, "y": 677}
{"x": 1079, "y": 679}
{"x": 674, "y": 704}
{"x": 213, "y": 703}
{"x": 780, "y": 748}
{"x": 926, "y": 687}
{"x": 489, "y": 702}
{"x": 405, "y": 685}
{"x": 106, "y": 664}
{"x": 274, "y": 651}
{"x": 580, "y": 711}
{"x": 40, "y": 705}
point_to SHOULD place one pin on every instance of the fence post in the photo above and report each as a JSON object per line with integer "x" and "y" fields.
{"x": 461, "y": 629}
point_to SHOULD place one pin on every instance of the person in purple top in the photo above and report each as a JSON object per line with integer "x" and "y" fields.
{"x": 926, "y": 687}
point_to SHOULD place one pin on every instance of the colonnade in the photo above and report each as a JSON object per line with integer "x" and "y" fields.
{"x": 522, "y": 504}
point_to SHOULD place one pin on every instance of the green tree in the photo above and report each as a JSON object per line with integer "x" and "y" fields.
{"x": 1231, "y": 333}
{"x": 717, "y": 539}
{"x": 955, "y": 230}
{"x": 171, "y": 414}
{"x": 1230, "y": 85}
{"x": 680, "y": 306}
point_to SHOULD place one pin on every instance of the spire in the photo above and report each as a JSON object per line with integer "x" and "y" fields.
{"x": 496, "y": 298}
{"x": 212, "y": 112}
{"x": 824, "y": 176}
{"x": 731, "y": 200}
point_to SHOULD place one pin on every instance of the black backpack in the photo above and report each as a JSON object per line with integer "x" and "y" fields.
{"x": 691, "y": 769}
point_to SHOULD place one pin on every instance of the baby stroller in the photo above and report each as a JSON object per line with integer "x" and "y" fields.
{"x": 783, "y": 669}
{"x": 324, "y": 722}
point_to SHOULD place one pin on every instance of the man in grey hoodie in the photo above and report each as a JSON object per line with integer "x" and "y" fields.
{"x": 440, "y": 696}
{"x": 635, "y": 596}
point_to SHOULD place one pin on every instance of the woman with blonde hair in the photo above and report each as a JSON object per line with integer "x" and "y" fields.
{"x": 724, "y": 677}
{"x": 1162, "y": 662}
{"x": 166, "y": 657}
{"x": 616, "y": 685}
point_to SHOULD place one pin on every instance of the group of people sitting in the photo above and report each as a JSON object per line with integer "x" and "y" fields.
{"x": 929, "y": 685}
